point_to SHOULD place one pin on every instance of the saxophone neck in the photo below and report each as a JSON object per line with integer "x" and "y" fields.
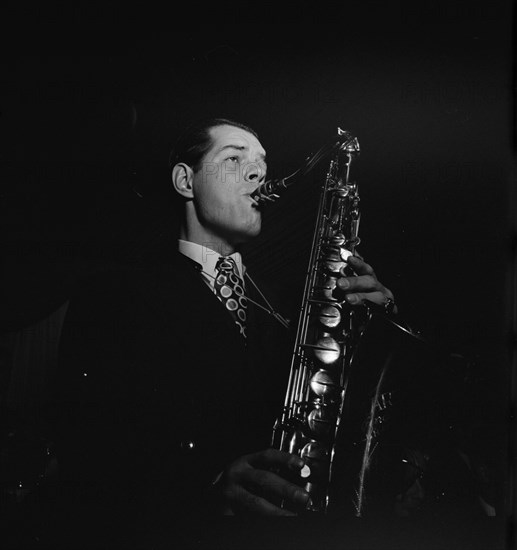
{"x": 344, "y": 143}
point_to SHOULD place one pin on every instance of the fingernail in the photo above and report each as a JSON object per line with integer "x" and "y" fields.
{"x": 343, "y": 283}
{"x": 351, "y": 299}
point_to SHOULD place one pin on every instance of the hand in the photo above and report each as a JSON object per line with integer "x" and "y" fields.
{"x": 249, "y": 486}
{"x": 363, "y": 286}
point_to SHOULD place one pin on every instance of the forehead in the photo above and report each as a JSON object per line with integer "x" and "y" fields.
{"x": 223, "y": 136}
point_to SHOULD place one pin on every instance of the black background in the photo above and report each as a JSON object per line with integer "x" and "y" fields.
{"x": 426, "y": 87}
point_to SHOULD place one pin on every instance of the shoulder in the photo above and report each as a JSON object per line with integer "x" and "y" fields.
{"x": 113, "y": 282}
{"x": 128, "y": 299}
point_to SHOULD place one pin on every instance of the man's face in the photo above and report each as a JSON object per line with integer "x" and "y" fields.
{"x": 230, "y": 171}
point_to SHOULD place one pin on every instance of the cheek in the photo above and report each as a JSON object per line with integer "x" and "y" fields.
{"x": 218, "y": 189}
{"x": 210, "y": 200}
{"x": 218, "y": 198}
{"x": 213, "y": 210}
{"x": 219, "y": 203}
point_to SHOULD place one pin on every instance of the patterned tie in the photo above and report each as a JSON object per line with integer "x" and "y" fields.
{"x": 229, "y": 288}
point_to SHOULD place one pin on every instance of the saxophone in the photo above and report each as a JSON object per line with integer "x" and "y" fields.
{"x": 328, "y": 329}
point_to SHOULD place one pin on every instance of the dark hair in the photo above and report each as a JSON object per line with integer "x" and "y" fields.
{"x": 195, "y": 141}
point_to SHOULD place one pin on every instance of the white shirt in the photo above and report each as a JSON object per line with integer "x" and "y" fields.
{"x": 207, "y": 258}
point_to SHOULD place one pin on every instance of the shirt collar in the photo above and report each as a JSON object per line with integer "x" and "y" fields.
{"x": 207, "y": 257}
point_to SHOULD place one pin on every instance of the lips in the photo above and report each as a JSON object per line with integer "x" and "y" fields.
{"x": 253, "y": 201}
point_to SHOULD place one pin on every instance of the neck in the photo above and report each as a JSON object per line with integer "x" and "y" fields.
{"x": 204, "y": 238}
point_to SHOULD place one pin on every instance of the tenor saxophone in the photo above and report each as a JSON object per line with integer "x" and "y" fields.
{"x": 328, "y": 329}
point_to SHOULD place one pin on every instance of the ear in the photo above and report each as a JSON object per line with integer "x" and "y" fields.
{"x": 182, "y": 176}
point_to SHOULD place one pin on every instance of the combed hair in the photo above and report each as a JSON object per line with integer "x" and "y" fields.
{"x": 195, "y": 141}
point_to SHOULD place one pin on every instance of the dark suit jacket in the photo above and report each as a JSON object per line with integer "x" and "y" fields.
{"x": 157, "y": 392}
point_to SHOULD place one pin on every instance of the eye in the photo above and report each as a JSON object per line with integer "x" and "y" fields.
{"x": 233, "y": 159}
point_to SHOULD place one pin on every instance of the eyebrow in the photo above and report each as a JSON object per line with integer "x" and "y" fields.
{"x": 240, "y": 148}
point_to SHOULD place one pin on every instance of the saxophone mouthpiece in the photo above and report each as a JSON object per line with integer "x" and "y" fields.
{"x": 266, "y": 193}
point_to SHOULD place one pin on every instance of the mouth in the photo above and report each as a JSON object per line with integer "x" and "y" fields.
{"x": 254, "y": 203}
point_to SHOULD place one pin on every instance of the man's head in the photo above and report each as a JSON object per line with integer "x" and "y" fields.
{"x": 216, "y": 165}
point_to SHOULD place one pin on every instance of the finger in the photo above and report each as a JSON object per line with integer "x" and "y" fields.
{"x": 273, "y": 458}
{"x": 359, "y": 298}
{"x": 360, "y": 266}
{"x": 274, "y": 488}
{"x": 362, "y": 283}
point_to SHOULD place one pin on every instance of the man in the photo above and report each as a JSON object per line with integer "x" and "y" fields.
{"x": 166, "y": 400}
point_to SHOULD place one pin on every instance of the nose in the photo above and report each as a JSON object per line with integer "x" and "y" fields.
{"x": 254, "y": 173}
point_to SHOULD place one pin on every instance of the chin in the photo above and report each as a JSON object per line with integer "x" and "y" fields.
{"x": 255, "y": 230}
{"x": 248, "y": 235}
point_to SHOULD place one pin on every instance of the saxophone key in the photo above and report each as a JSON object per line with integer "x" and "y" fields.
{"x": 327, "y": 350}
{"x": 337, "y": 239}
{"x": 320, "y": 421}
{"x": 316, "y": 455}
{"x": 334, "y": 266}
{"x": 324, "y": 386}
{"x": 329, "y": 316}
{"x": 328, "y": 287}
{"x": 305, "y": 472}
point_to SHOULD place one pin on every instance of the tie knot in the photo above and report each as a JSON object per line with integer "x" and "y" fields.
{"x": 226, "y": 263}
